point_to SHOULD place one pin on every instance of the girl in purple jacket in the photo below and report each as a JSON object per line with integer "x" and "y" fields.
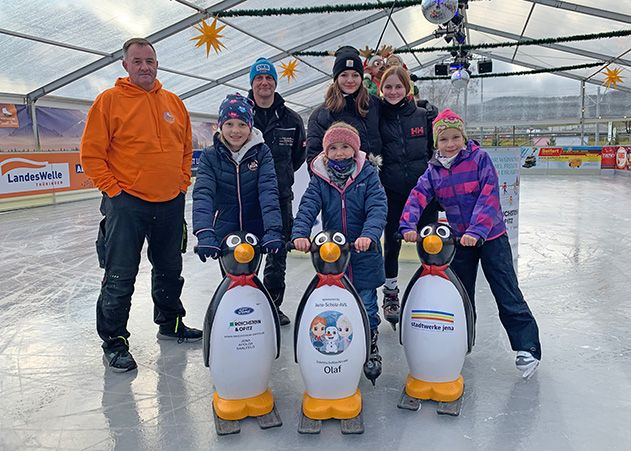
{"x": 463, "y": 179}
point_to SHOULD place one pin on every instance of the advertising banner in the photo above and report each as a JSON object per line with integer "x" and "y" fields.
{"x": 9, "y": 116}
{"x": 622, "y": 159}
{"x": 202, "y": 137}
{"x": 506, "y": 160}
{"x": 608, "y": 158}
{"x": 530, "y": 159}
{"x": 40, "y": 173}
{"x": 16, "y": 129}
{"x": 60, "y": 129}
{"x": 572, "y": 159}
{"x": 561, "y": 160}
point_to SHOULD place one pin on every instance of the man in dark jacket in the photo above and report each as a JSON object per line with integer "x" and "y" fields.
{"x": 284, "y": 133}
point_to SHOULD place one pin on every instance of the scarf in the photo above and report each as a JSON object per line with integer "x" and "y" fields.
{"x": 446, "y": 161}
{"x": 340, "y": 170}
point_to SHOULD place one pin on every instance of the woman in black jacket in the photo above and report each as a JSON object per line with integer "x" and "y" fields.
{"x": 406, "y": 132}
{"x": 347, "y": 100}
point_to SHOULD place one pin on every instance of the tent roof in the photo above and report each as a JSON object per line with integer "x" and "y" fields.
{"x": 71, "y": 48}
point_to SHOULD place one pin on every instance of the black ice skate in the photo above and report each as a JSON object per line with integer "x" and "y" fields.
{"x": 391, "y": 306}
{"x": 372, "y": 368}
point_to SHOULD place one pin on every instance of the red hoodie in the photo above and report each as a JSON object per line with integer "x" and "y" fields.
{"x": 139, "y": 142}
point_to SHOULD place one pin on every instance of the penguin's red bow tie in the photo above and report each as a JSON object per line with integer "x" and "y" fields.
{"x": 330, "y": 279}
{"x": 435, "y": 270}
{"x": 240, "y": 281}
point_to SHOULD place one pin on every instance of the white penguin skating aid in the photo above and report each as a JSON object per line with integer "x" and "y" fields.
{"x": 241, "y": 339}
{"x": 437, "y": 325}
{"x": 331, "y": 337}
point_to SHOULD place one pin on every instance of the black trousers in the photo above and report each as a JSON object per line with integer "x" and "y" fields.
{"x": 497, "y": 264}
{"x": 276, "y": 264}
{"x": 128, "y": 222}
{"x": 392, "y": 247}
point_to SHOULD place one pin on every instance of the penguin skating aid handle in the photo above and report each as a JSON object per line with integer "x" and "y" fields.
{"x": 399, "y": 237}
{"x": 290, "y": 246}
{"x": 478, "y": 243}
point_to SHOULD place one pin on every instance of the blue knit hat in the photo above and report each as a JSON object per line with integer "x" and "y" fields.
{"x": 262, "y": 66}
{"x": 235, "y": 106}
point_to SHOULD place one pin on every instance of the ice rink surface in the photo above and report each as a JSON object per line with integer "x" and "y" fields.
{"x": 574, "y": 270}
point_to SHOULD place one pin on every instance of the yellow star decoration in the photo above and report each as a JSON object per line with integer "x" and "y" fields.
{"x": 289, "y": 70}
{"x": 209, "y": 36}
{"x": 612, "y": 77}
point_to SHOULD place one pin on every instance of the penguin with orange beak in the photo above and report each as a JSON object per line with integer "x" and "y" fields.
{"x": 331, "y": 339}
{"x": 241, "y": 338}
{"x": 437, "y": 325}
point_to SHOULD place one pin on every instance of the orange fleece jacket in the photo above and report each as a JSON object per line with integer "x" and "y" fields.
{"x": 139, "y": 142}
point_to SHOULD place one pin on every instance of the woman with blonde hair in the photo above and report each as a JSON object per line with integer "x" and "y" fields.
{"x": 406, "y": 131}
{"x": 347, "y": 100}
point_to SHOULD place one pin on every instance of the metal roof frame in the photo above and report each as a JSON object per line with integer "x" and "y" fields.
{"x": 559, "y": 47}
{"x": 201, "y": 13}
{"x": 590, "y": 11}
{"x": 106, "y": 61}
{"x": 304, "y": 46}
{"x": 534, "y": 66}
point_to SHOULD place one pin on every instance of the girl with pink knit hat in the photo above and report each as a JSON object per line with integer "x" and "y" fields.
{"x": 345, "y": 187}
{"x": 463, "y": 179}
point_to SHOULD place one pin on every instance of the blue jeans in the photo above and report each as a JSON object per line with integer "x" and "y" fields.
{"x": 369, "y": 298}
{"x": 497, "y": 265}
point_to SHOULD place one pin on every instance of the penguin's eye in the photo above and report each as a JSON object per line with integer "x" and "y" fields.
{"x": 443, "y": 232}
{"x": 320, "y": 239}
{"x": 233, "y": 241}
{"x": 338, "y": 238}
{"x": 425, "y": 231}
{"x": 251, "y": 239}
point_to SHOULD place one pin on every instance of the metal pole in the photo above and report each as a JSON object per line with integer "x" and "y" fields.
{"x": 598, "y": 116}
{"x": 31, "y": 105}
{"x": 583, "y": 112}
{"x": 481, "y": 110}
{"x": 466, "y": 91}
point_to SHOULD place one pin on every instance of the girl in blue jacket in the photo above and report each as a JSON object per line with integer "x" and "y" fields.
{"x": 346, "y": 188}
{"x": 236, "y": 185}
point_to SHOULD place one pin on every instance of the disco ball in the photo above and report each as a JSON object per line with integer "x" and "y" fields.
{"x": 439, "y": 11}
{"x": 460, "y": 79}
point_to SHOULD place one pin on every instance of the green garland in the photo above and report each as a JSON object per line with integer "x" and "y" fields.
{"x": 523, "y": 72}
{"x": 543, "y": 41}
{"x": 317, "y": 9}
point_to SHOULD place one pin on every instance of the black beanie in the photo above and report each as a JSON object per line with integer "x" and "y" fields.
{"x": 347, "y": 58}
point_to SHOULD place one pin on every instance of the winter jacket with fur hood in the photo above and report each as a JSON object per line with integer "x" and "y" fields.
{"x": 359, "y": 209}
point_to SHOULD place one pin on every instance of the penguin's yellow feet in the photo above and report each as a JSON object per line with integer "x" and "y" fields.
{"x": 237, "y": 409}
{"x": 437, "y": 391}
{"x": 324, "y": 409}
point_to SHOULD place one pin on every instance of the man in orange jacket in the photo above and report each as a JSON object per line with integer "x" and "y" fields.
{"x": 137, "y": 150}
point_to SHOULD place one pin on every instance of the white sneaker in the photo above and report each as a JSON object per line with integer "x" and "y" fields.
{"x": 526, "y": 363}
{"x": 6, "y": 112}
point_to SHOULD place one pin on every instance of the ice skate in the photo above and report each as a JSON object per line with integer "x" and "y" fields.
{"x": 372, "y": 368}
{"x": 391, "y": 306}
{"x": 526, "y": 363}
